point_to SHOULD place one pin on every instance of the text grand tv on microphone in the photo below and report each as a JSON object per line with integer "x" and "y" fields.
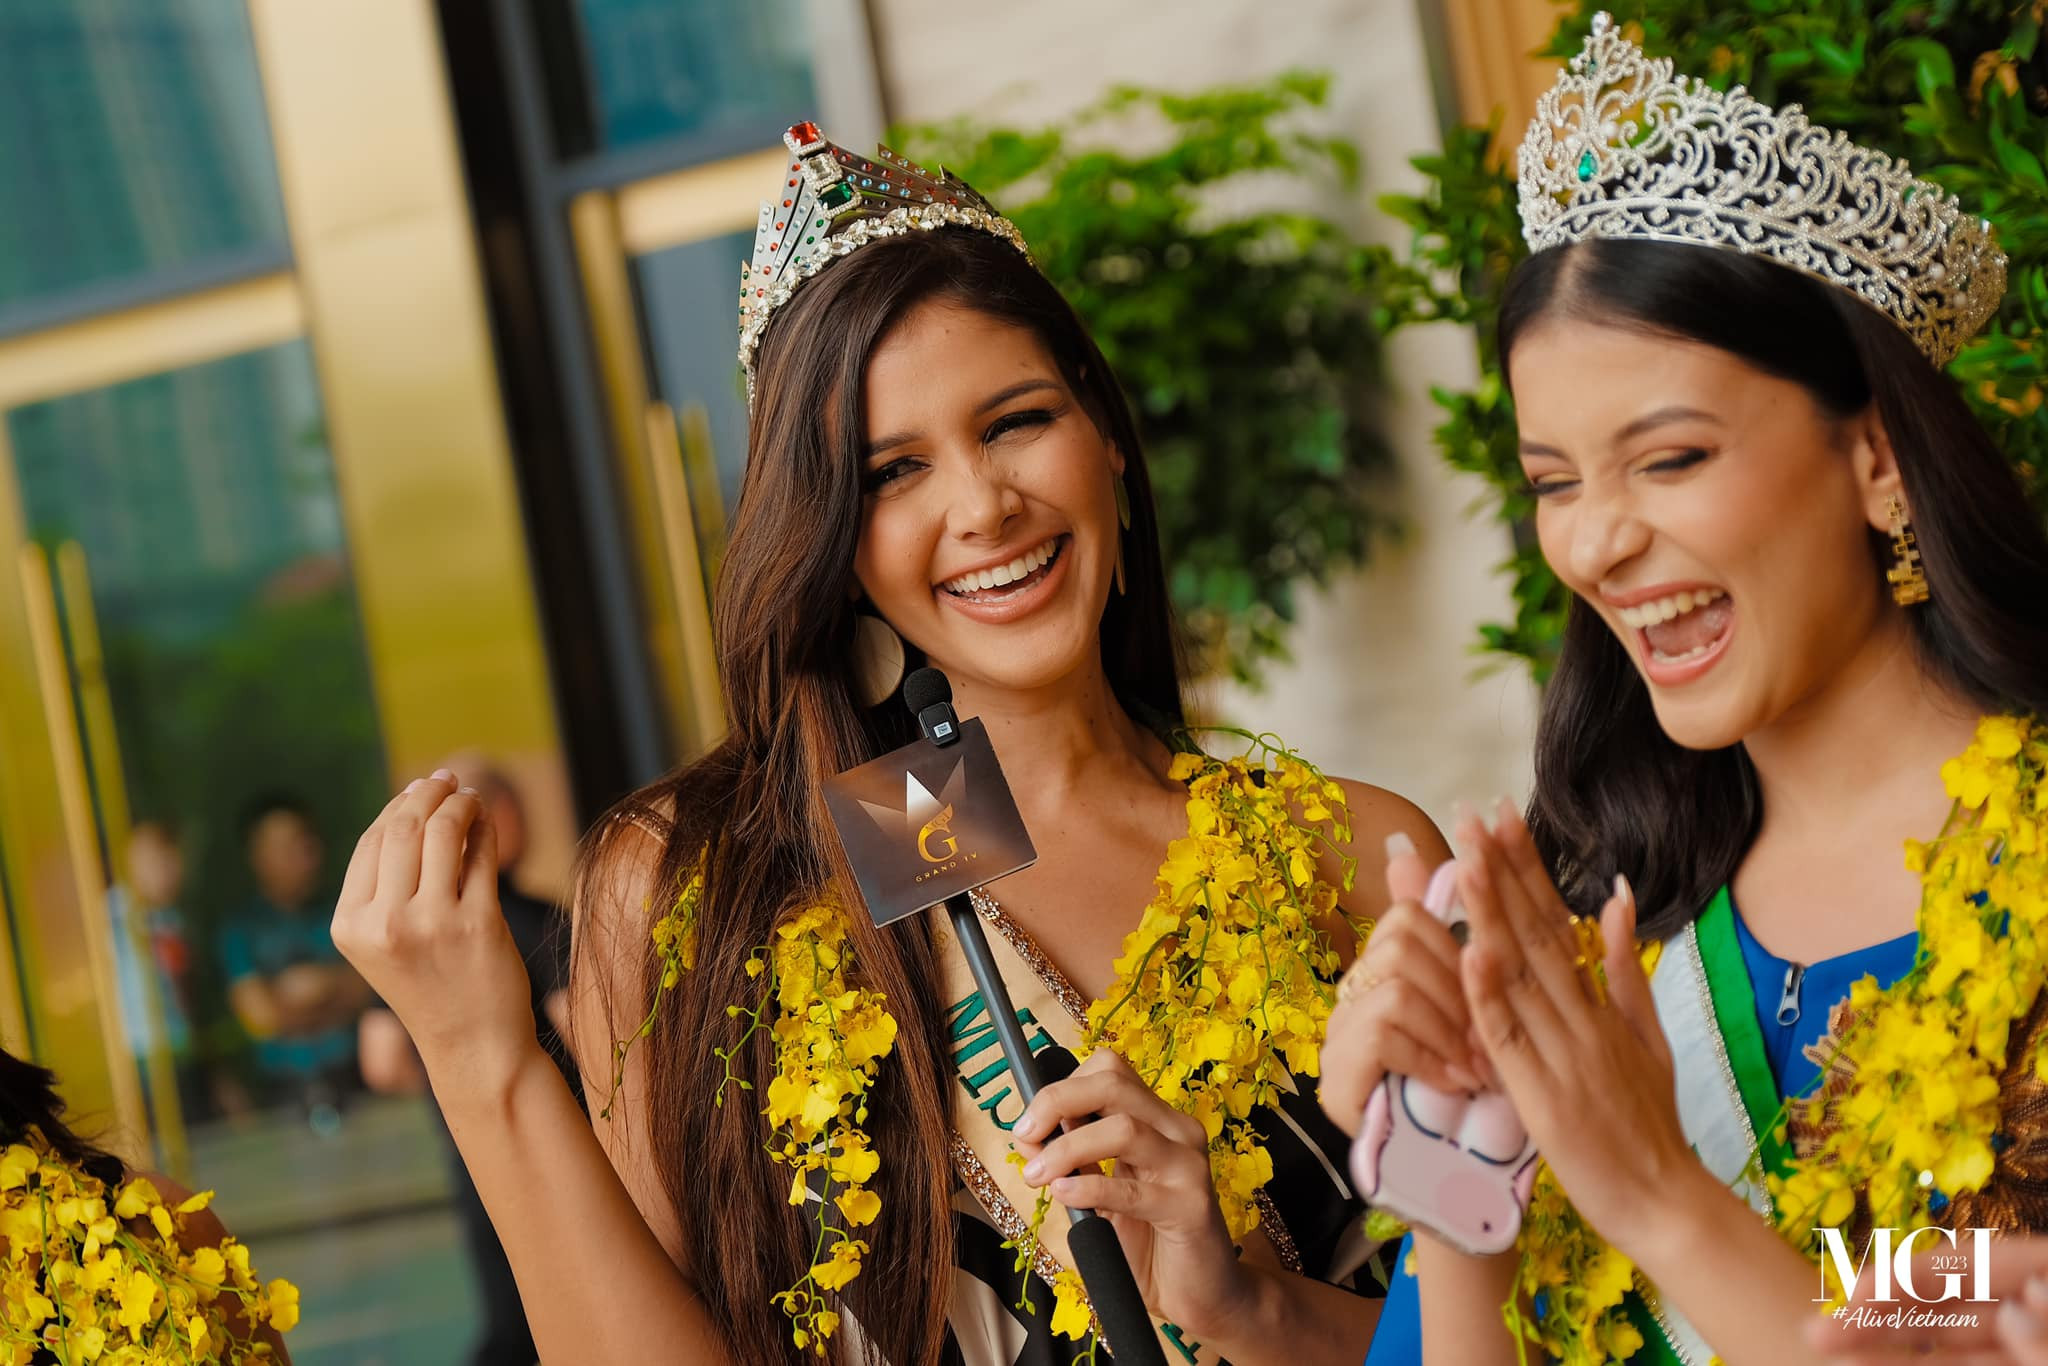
{"x": 923, "y": 825}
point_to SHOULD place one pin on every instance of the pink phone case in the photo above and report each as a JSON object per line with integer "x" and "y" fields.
{"x": 1458, "y": 1164}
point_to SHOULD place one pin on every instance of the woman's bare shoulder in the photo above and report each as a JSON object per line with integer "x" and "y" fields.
{"x": 615, "y": 909}
{"x": 621, "y": 863}
{"x": 1378, "y": 813}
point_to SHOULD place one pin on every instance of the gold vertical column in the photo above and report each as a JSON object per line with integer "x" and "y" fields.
{"x": 110, "y": 796}
{"x": 379, "y": 218}
{"x": 615, "y": 342}
{"x": 1492, "y": 44}
{"x": 94, "y": 925}
{"x": 686, "y": 559}
{"x": 49, "y": 901}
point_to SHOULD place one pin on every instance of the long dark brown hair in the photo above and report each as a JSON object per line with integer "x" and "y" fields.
{"x": 1614, "y": 793}
{"x": 753, "y": 807}
{"x": 29, "y": 1100}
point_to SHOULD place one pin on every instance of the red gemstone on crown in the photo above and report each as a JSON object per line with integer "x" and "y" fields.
{"x": 805, "y": 133}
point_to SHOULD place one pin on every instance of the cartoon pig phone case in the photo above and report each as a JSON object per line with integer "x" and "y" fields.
{"x": 1459, "y": 1164}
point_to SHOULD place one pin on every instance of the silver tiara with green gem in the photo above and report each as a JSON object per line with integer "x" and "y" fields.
{"x": 833, "y": 203}
{"x": 1622, "y": 147}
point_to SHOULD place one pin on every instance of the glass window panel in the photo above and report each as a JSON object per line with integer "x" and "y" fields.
{"x": 695, "y": 362}
{"x": 205, "y": 502}
{"x": 133, "y": 142}
{"x": 657, "y": 69}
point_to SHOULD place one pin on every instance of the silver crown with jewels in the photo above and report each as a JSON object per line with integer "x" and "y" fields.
{"x": 832, "y": 203}
{"x": 1622, "y": 147}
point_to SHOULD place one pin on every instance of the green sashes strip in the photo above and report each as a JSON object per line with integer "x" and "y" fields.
{"x": 1735, "y": 1013}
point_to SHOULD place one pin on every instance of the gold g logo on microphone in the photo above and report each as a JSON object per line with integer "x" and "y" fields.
{"x": 940, "y": 824}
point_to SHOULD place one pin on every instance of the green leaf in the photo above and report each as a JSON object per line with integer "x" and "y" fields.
{"x": 1933, "y": 68}
{"x": 1836, "y": 58}
{"x": 2016, "y": 160}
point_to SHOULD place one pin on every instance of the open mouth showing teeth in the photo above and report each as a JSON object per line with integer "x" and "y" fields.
{"x": 1683, "y": 626}
{"x": 1006, "y": 580}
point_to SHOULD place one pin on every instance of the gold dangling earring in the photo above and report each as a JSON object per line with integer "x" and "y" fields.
{"x": 1123, "y": 520}
{"x": 876, "y": 660}
{"x": 1908, "y": 580}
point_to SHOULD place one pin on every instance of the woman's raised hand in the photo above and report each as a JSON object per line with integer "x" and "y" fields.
{"x": 419, "y": 919}
{"x": 1590, "y": 1076}
{"x": 1401, "y": 1007}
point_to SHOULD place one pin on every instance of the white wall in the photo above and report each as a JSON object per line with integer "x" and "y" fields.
{"x": 1382, "y": 686}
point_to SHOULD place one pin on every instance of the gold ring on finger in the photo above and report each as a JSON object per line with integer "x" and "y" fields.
{"x": 1354, "y": 984}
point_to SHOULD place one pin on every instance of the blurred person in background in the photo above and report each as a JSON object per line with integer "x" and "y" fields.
{"x": 150, "y": 939}
{"x": 391, "y": 1066}
{"x": 287, "y": 983}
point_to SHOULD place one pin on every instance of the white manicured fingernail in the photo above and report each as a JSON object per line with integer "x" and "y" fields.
{"x": 469, "y": 792}
{"x": 1399, "y": 845}
{"x": 444, "y": 773}
{"x": 1624, "y": 890}
{"x": 413, "y": 785}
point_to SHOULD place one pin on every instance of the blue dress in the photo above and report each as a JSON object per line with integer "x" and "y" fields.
{"x": 1792, "y": 1005}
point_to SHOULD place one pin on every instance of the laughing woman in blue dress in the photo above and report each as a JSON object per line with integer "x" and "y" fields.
{"x": 1790, "y": 761}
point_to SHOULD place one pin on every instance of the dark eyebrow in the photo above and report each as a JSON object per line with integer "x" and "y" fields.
{"x": 995, "y": 400}
{"x": 1663, "y": 416}
{"x": 1647, "y": 422}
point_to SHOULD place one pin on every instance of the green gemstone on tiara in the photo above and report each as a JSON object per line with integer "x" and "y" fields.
{"x": 834, "y": 211}
{"x": 1624, "y": 146}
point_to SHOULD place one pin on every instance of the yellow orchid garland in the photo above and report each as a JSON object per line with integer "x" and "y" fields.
{"x": 1227, "y": 983}
{"x": 1917, "y": 1122}
{"x": 93, "y": 1275}
{"x": 829, "y": 1038}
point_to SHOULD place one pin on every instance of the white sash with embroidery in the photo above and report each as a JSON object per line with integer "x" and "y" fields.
{"x": 1710, "y": 1108}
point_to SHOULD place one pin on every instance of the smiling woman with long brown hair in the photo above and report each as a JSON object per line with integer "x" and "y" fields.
{"x": 940, "y": 466}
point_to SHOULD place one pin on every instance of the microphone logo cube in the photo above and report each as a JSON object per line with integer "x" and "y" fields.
{"x": 923, "y": 823}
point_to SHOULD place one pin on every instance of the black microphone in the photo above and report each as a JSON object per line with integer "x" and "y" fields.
{"x": 1098, "y": 1256}
{"x": 929, "y": 695}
